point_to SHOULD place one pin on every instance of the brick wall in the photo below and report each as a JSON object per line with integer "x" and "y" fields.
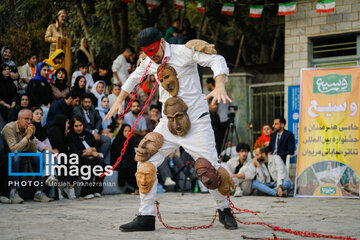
{"x": 306, "y": 23}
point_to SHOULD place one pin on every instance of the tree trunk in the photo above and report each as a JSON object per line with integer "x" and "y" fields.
{"x": 239, "y": 51}
{"x": 115, "y": 28}
{"x": 82, "y": 18}
{"x": 124, "y": 26}
{"x": 273, "y": 49}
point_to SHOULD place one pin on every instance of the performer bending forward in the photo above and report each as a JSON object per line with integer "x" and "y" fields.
{"x": 185, "y": 121}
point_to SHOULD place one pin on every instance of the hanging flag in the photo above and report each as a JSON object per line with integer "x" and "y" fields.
{"x": 286, "y": 8}
{"x": 152, "y": 3}
{"x": 228, "y": 9}
{"x": 200, "y": 7}
{"x": 256, "y": 11}
{"x": 179, "y": 4}
{"x": 325, "y": 6}
{"x": 127, "y": 1}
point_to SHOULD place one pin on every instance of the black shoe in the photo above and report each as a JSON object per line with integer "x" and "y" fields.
{"x": 227, "y": 219}
{"x": 140, "y": 223}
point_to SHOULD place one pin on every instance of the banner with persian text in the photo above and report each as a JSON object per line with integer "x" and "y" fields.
{"x": 328, "y": 155}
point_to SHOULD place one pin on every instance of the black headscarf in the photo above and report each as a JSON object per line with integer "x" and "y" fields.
{"x": 8, "y": 89}
{"x": 61, "y": 85}
{"x": 80, "y": 91}
{"x": 40, "y": 132}
{"x": 117, "y": 146}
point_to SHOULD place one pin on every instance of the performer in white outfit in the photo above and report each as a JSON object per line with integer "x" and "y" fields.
{"x": 199, "y": 141}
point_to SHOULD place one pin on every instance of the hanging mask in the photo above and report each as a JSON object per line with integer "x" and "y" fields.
{"x": 145, "y": 176}
{"x": 207, "y": 174}
{"x": 148, "y": 146}
{"x": 169, "y": 80}
{"x": 178, "y": 119}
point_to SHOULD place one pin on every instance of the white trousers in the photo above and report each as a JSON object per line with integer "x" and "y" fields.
{"x": 199, "y": 142}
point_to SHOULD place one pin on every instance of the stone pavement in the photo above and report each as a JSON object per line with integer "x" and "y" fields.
{"x": 100, "y": 218}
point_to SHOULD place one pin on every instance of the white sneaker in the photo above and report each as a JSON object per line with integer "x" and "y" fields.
{"x": 51, "y": 181}
{"x": 15, "y": 198}
{"x": 238, "y": 192}
{"x": 61, "y": 197}
{"x": 97, "y": 194}
{"x": 4, "y": 200}
{"x": 70, "y": 192}
{"x": 169, "y": 182}
{"x": 89, "y": 196}
{"x": 40, "y": 196}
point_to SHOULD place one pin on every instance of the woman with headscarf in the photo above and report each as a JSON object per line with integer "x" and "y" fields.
{"x": 54, "y": 62}
{"x": 6, "y": 56}
{"x": 98, "y": 90}
{"x": 80, "y": 86}
{"x": 128, "y": 166}
{"x": 21, "y": 103}
{"x": 85, "y": 55}
{"x": 60, "y": 88}
{"x": 83, "y": 144}
{"x": 264, "y": 139}
{"x": 39, "y": 90}
{"x": 108, "y": 126}
{"x": 7, "y": 94}
{"x": 58, "y": 29}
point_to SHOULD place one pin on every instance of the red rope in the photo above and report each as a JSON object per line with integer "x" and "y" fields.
{"x": 139, "y": 116}
{"x": 274, "y": 228}
{"x": 184, "y": 227}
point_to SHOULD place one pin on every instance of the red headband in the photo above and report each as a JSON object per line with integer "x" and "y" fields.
{"x": 152, "y": 49}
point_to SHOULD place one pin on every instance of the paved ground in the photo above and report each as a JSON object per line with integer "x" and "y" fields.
{"x": 100, "y": 218}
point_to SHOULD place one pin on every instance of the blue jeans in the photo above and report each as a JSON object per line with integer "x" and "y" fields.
{"x": 45, "y": 113}
{"x": 15, "y": 165}
{"x": 271, "y": 188}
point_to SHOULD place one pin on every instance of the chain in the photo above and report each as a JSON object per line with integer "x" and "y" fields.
{"x": 184, "y": 227}
{"x": 139, "y": 116}
{"x": 286, "y": 230}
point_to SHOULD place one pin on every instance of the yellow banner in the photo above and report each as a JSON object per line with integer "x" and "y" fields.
{"x": 328, "y": 155}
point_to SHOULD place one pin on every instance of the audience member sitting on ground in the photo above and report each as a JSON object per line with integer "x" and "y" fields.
{"x": 27, "y": 72}
{"x": 7, "y": 94}
{"x": 21, "y": 103}
{"x": 39, "y": 90}
{"x": 115, "y": 91}
{"x": 242, "y": 170}
{"x": 6, "y": 56}
{"x": 98, "y": 91}
{"x": 152, "y": 119}
{"x": 108, "y": 126}
{"x": 57, "y": 134}
{"x": 167, "y": 168}
{"x": 83, "y": 144}
{"x": 80, "y": 86}
{"x": 128, "y": 166}
{"x": 54, "y": 62}
{"x": 19, "y": 136}
{"x": 264, "y": 139}
{"x": 60, "y": 87}
{"x": 272, "y": 177}
{"x": 92, "y": 123}
{"x": 63, "y": 107}
{"x": 42, "y": 142}
{"x": 282, "y": 142}
{"x": 102, "y": 74}
{"x": 173, "y": 34}
{"x": 130, "y": 118}
{"x": 83, "y": 71}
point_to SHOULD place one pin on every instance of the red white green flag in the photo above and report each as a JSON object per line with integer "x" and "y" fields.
{"x": 152, "y": 3}
{"x": 179, "y": 4}
{"x": 228, "y": 9}
{"x": 256, "y": 11}
{"x": 286, "y": 8}
{"x": 325, "y": 6}
{"x": 200, "y": 7}
{"x": 127, "y": 1}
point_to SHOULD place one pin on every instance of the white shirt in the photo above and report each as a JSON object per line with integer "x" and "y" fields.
{"x": 120, "y": 67}
{"x": 88, "y": 77}
{"x": 184, "y": 61}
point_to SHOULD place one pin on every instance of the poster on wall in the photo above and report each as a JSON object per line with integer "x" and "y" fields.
{"x": 328, "y": 152}
{"x": 293, "y": 113}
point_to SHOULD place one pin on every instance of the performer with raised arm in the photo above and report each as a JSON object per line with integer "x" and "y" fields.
{"x": 185, "y": 122}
